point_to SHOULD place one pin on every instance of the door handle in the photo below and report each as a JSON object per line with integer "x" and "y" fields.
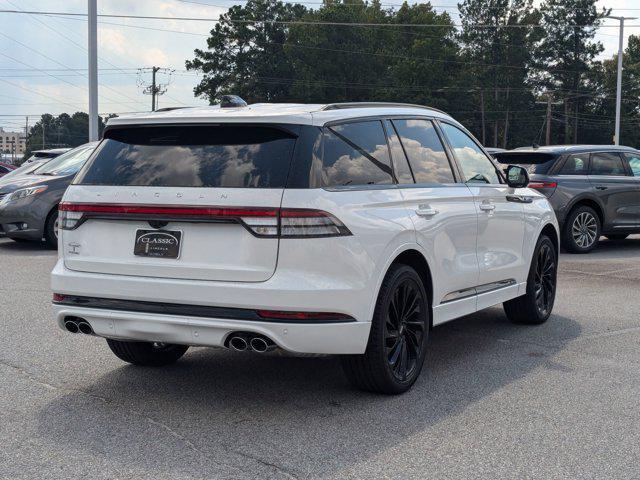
{"x": 487, "y": 207}
{"x": 426, "y": 211}
{"x": 601, "y": 187}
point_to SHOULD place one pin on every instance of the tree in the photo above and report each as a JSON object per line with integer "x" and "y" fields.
{"x": 62, "y": 131}
{"x": 498, "y": 43}
{"x": 245, "y": 55}
{"x": 567, "y": 51}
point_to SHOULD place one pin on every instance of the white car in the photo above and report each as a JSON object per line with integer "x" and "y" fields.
{"x": 347, "y": 229}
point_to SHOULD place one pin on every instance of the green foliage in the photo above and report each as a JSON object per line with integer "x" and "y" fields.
{"x": 62, "y": 131}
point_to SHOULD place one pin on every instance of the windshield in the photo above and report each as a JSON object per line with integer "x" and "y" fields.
{"x": 68, "y": 163}
{"x": 533, "y": 162}
{"x": 24, "y": 168}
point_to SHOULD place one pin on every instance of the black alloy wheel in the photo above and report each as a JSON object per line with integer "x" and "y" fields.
{"x": 399, "y": 332}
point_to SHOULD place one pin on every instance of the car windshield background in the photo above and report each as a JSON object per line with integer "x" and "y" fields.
{"x": 66, "y": 164}
{"x": 476, "y": 166}
{"x": 426, "y": 154}
{"x": 534, "y": 162}
{"x": 227, "y": 156}
{"x": 355, "y": 154}
{"x": 607, "y": 164}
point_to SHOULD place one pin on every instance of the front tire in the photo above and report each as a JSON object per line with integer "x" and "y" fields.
{"x": 147, "y": 354}
{"x": 397, "y": 342}
{"x": 582, "y": 230}
{"x": 536, "y": 305}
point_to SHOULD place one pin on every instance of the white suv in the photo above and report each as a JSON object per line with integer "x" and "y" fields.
{"x": 347, "y": 229}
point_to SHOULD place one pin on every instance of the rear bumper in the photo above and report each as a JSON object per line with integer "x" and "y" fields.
{"x": 330, "y": 338}
{"x": 310, "y": 293}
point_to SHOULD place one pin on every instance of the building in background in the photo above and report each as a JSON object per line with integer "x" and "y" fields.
{"x": 12, "y": 145}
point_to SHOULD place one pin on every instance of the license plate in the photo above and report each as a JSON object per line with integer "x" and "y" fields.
{"x": 157, "y": 243}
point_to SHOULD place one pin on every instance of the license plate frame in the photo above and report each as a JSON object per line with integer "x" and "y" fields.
{"x": 165, "y": 244}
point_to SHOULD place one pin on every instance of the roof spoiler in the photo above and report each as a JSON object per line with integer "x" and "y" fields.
{"x": 524, "y": 156}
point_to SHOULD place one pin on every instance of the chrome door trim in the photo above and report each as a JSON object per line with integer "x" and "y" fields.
{"x": 477, "y": 290}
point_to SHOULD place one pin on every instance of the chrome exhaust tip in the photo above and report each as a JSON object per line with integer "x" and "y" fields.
{"x": 71, "y": 326}
{"x": 85, "y": 328}
{"x": 260, "y": 345}
{"x": 238, "y": 343}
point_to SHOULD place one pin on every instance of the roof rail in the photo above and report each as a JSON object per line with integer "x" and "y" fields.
{"x": 346, "y": 105}
{"x": 168, "y": 109}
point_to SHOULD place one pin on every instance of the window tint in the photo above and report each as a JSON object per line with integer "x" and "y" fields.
{"x": 400, "y": 164}
{"x": 3, "y": 169}
{"x": 356, "y": 154}
{"x": 576, "y": 165}
{"x": 192, "y": 156}
{"x": 606, "y": 164}
{"x": 634, "y": 163}
{"x": 425, "y": 152}
{"x": 476, "y": 166}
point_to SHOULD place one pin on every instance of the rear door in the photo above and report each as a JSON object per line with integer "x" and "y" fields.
{"x": 442, "y": 210}
{"x": 500, "y": 219}
{"x": 617, "y": 190}
{"x": 194, "y": 202}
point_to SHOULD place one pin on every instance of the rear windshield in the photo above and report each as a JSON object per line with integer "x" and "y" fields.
{"x": 535, "y": 162}
{"x": 192, "y": 156}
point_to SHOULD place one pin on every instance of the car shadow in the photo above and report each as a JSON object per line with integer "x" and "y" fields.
{"x": 285, "y": 412}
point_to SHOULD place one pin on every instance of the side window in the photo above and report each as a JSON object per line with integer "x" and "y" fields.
{"x": 634, "y": 163}
{"x": 400, "y": 164}
{"x": 356, "y": 154}
{"x": 425, "y": 152}
{"x": 476, "y": 166}
{"x": 3, "y": 169}
{"x": 606, "y": 164}
{"x": 576, "y": 165}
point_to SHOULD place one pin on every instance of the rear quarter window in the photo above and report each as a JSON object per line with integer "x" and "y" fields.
{"x": 228, "y": 156}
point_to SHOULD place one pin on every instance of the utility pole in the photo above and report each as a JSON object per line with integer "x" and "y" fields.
{"x": 155, "y": 88}
{"x": 43, "y": 130}
{"x": 549, "y": 103}
{"x": 616, "y": 137}
{"x": 93, "y": 69}
{"x": 484, "y": 130}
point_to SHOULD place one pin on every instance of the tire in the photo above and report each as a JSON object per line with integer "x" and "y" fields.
{"x": 147, "y": 354}
{"x": 617, "y": 236}
{"x": 375, "y": 370}
{"x": 582, "y": 230}
{"x": 536, "y": 305}
{"x": 50, "y": 233}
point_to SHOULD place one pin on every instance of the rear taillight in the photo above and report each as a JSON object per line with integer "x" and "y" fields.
{"x": 316, "y": 316}
{"x": 262, "y": 222}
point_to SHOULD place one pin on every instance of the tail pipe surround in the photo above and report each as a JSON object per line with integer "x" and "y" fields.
{"x": 78, "y": 325}
{"x": 243, "y": 341}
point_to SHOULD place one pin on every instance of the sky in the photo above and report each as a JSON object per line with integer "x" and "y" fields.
{"x": 43, "y": 59}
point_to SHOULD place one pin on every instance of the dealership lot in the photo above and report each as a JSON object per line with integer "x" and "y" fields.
{"x": 495, "y": 399}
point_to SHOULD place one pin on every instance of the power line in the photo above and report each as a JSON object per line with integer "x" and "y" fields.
{"x": 302, "y": 22}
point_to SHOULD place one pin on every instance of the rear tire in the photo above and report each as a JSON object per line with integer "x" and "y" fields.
{"x": 50, "y": 229}
{"x": 582, "y": 229}
{"x": 536, "y": 305}
{"x": 617, "y": 236}
{"x": 397, "y": 342}
{"x": 147, "y": 354}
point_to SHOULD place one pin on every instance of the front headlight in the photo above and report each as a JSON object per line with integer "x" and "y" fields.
{"x": 23, "y": 193}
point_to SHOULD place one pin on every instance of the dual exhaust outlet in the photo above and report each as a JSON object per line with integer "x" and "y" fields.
{"x": 77, "y": 325}
{"x": 241, "y": 342}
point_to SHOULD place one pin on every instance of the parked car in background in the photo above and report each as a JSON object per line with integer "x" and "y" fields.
{"x": 5, "y": 168}
{"x": 345, "y": 229}
{"x": 29, "y": 202}
{"x": 594, "y": 189}
{"x": 493, "y": 150}
{"x": 38, "y": 155}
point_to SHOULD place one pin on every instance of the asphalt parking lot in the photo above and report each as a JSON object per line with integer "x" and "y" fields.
{"x": 495, "y": 400}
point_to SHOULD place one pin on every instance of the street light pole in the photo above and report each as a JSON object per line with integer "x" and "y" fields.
{"x": 93, "y": 70}
{"x": 616, "y": 137}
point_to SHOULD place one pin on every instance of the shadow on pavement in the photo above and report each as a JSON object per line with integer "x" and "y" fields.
{"x": 296, "y": 415}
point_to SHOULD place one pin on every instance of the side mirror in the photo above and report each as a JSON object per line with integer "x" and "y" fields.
{"x": 517, "y": 177}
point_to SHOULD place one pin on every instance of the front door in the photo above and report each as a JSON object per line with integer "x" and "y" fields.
{"x": 500, "y": 239}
